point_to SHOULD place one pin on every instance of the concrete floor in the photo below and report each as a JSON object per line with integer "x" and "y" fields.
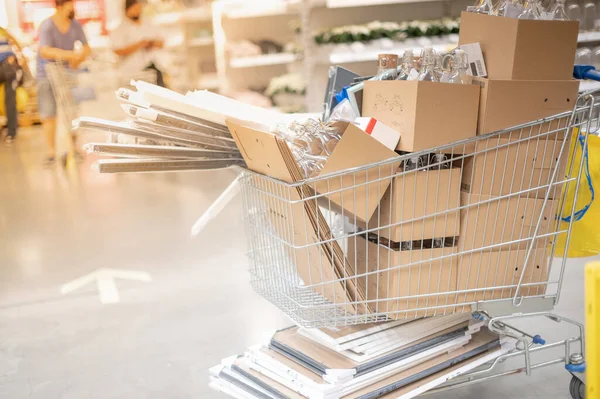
{"x": 161, "y": 338}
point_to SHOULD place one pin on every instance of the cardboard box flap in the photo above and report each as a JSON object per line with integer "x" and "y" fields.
{"x": 357, "y": 193}
{"x": 533, "y": 54}
{"x": 355, "y": 150}
{"x": 261, "y": 151}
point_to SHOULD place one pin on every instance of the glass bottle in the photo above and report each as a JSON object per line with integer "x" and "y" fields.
{"x": 460, "y": 64}
{"x": 438, "y": 243}
{"x": 589, "y": 16}
{"x": 558, "y": 11}
{"x": 407, "y": 65}
{"x": 574, "y": 13}
{"x": 508, "y": 8}
{"x": 439, "y": 162}
{"x": 388, "y": 67}
{"x": 427, "y": 73}
{"x": 484, "y": 7}
{"x": 530, "y": 11}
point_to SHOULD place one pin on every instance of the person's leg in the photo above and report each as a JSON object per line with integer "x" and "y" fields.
{"x": 47, "y": 110}
{"x": 10, "y": 99}
{"x": 159, "y": 75}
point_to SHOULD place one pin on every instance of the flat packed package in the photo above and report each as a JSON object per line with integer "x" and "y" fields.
{"x": 522, "y": 49}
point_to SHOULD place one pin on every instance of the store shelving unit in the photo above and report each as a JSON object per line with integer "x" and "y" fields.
{"x": 194, "y": 54}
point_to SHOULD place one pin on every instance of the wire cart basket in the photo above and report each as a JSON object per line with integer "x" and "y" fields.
{"x": 68, "y": 94}
{"x": 471, "y": 226}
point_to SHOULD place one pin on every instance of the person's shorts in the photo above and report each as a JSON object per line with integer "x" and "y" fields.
{"x": 46, "y": 100}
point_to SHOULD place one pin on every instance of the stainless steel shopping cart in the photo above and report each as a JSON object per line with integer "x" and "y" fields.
{"x": 68, "y": 94}
{"x": 467, "y": 227}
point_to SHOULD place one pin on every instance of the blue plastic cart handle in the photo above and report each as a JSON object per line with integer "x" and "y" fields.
{"x": 586, "y": 72}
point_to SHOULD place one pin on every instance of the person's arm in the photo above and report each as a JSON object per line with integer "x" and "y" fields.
{"x": 52, "y": 53}
{"x": 85, "y": 52}
{"x": 132, "y": 48}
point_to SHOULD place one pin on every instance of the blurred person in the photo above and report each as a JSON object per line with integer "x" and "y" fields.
{"x": 135, "y": 42}
{"x": 11, "y": 75}
{"x": 58, "y": 35}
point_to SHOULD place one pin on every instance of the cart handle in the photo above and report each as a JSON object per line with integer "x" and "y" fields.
{"x": 586, "y": 72}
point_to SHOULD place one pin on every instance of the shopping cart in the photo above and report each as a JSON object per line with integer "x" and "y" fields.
{"x": 467, "y": 227}
{"x": 68, "y": 95}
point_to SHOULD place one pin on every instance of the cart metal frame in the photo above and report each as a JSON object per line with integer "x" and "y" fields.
{"x": 280, "y": 241}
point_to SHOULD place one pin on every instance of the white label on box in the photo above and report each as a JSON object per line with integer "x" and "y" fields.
{"x": 475, "y": 57}
{"x": 413, "y": 74}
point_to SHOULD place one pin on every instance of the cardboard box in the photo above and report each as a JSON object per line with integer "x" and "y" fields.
{"x": 507, "y": 103}
{"x": 522, "y": 49}
{"x": 487, "y": 221}
{"x": 489, "y": 275}
{"x": 390, "y": 278}
{"x": 426, "y": 114}
{"x": 507, "y": 166}
{"x": 358, "y": 194}
{"x": 295, "y": 215}
{"x": 415, "y": 195}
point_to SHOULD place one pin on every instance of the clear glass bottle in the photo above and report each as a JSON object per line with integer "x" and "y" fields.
{"x": 406, "y": 245}
{"x": 440, "y": 162}
{"x": 460, "y": 64}
{"x": 589, "y": 16}
{"x": 574, "y": 13}
{"x": 428, "y": 73}
{"x": 438, "y": 243}
{"x": 508, "y": 8}
{"x": 558, "y": 11}
{"x": 530, "y": 11}
{"x": 484, "y": 7}
{"x": 408, "y": 60}
{"x": 388, "y": 67}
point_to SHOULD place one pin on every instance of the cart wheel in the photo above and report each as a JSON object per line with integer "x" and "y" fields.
{"x": 577, "y": 388}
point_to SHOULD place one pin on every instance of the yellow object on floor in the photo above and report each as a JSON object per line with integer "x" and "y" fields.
{"x": 585, "y": 233}
{"x": 592, "y": 329}
{"x": 22, "y": 98}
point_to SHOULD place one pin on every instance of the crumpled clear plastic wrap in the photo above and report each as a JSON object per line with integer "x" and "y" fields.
{"x": 311, "y": 143}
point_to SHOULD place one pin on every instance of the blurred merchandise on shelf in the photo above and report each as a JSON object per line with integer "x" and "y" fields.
{"x": 251, "y": 97}
{"x": 33, "y": 12}
{"x": 287, "y": 92}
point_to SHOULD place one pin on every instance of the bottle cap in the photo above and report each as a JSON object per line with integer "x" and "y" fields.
{"x": 388, "y": 61}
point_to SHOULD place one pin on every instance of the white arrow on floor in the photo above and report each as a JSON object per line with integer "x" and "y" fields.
{"x": 105, "y": 280}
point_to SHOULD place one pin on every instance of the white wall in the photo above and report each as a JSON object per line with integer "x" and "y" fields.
{"x": 8, "y": 15}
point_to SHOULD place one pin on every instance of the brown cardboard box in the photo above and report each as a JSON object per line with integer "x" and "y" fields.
{"x": 487, "y": 220}
{"x": 496, "y": 269}
{"x": 358, "y": 193}
{"x": 387, "y": 282}
{"x": 507, "y": 166}
{"x": 415, "y": 195}
{"x": 507, "y": 103}
{"x": 522, "y": 49}
{"x": 426, "y": 114}
{"x": 298, "y": 221}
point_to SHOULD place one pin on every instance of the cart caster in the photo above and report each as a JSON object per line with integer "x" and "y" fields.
{"x": 577, "y": 388}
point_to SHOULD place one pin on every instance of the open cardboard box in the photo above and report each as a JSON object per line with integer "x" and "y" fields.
{"x": 427, "y": 114}
{"x": 507, "y": 166}
{"x": 507, "y": 103}
{"x": 493, "y": 269}
{"x": 416, "y": 195}
{"x": 294, "y": 212}
{"x": 522, "y": 49}
{"x": 386, "y": 281}
{"x": 487, "y": 221}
